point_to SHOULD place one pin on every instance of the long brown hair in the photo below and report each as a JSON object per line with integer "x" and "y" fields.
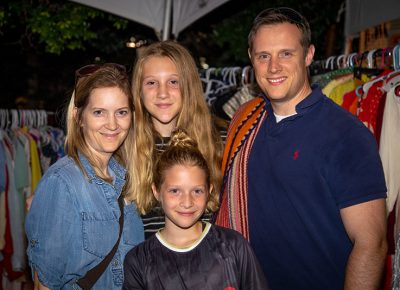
{"x": 105, "y": 76}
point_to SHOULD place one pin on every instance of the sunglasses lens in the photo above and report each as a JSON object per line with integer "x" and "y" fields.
{"x": 86, "y": 70}
{"x": 91, "y": 68}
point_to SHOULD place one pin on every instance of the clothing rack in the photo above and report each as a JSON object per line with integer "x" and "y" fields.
{"x": 17, "y": 118}
{"x": 380, "y": 58}
{"x": 28, "y": 147}
{"x": 217, "y": 80}
{"x": 226, "y": 88}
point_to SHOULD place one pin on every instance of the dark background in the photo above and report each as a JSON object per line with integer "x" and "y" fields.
{"x": 33, "y": 78}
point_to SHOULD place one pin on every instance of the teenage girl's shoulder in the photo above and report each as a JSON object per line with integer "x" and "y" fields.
{"x": 144, "y": 252}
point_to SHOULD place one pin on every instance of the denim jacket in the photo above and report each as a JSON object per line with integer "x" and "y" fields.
{"x": 73, "y": 224}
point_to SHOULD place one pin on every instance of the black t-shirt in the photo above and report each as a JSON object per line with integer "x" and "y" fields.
{"x": 220, "y": 259}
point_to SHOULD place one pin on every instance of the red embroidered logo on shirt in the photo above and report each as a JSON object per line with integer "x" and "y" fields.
{"x": 229, "y": 288}
{"x": 296, "y": 155}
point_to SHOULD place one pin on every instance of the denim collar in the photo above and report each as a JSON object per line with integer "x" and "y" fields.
{"x": 117, "y": 169}
{"x": 302, "y": 107}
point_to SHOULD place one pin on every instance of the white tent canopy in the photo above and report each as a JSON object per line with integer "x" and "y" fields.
{"x": 363, "y": 14}
{"x": 157, "y": 13}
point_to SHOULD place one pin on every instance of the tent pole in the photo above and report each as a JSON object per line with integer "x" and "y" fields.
{"x": 167, "y": 19}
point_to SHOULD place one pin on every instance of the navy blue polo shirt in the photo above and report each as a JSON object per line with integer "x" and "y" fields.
{"x": 302, "y": 171}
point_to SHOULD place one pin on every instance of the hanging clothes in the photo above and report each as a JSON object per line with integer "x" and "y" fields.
{"x": 23, "y": 140}
{"x": 225, "y": 89}
{"x": 389, "y": 149}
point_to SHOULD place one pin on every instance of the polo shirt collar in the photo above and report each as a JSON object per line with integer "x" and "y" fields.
{"x": 302, "y": 107}
{"x": 315, "y": 96}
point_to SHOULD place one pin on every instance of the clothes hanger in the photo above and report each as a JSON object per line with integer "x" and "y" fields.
{"x": 359, "y": 69}
{"x": 212, "y": 85}
{"x": 234, "y": 72}
{"x": 7, "y": 121}
{"x": 370, "y": 70}
{"x": 14, "y": 119}
{"x": 226, "y": 75}
{"x": 29, "y": 118}
{"x": 208, "y": 90}
{"x": 44, "y": 117}
{"x": 391, "y": 78}
{"x": 247, "y": 75}
{"x": 228, "y": 81}
{"x": 2, "y": 119}
{"x": 244, "y": 77}
{"x": 350, "y": 59}
{"x": 339, "y": 61}
{"x": 396, "y": 57}
{"x": 39, "y": 118}
{"x": 370, "y": 58}
{"x": 329, "y": 61}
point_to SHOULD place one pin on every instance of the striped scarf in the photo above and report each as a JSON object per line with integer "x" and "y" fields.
{"x": 241, "y": 134}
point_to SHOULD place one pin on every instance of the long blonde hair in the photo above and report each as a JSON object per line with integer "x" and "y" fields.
{"x": 194, "y": 118}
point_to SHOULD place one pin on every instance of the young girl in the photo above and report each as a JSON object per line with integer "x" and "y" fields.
{"x": 168, "y": 94}
{"x": 189, "y": 253}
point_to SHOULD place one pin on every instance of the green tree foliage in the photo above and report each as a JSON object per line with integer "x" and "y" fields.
{"x": 54, "y": 26}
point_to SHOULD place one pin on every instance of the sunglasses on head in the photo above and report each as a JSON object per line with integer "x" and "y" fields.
{"x": 92, "y": 68}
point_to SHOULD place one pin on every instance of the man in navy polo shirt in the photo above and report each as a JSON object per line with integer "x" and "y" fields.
{"x": 303, "y": 178}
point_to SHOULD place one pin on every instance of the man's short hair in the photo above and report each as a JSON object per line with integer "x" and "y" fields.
{"x": 279, "y": 15}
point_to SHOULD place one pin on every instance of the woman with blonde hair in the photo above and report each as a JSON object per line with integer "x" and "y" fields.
{"x": 168, "y": 94}
{"x": 78, "y": 221}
